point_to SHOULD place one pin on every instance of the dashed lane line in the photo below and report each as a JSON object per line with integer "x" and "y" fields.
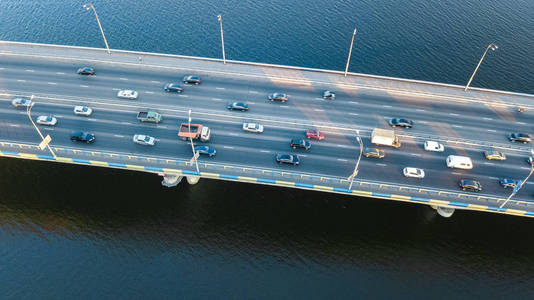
{"x": 122, "y": 78}
{"x": 84, "y": 86}
{"x": 52, "y": 83}
{"x": 30, "y": 70}
{"x": 21, "y": 80}
{"x": 154, "y": 81}
{"x": 149, "y": 92}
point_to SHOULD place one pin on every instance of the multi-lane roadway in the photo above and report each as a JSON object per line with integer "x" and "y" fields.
{"x": 465, "y": 128}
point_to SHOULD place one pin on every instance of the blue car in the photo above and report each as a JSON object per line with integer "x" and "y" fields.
{"x": 237, "y": 106}
{"x": 173, "y": 88}
{"x": 287, "y": 159}
{"x": 205, "y": 150}
{"x": 509, "y": 183}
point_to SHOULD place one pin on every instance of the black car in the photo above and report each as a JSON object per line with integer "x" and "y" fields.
{"x": 86, "y": 71}
{"x": 398, "y": 122}
{"x": 470, "y": 185}
{"x": 173, "y": 88}
{"x": 237, "y": 106}
{"x": 278, "y": 97}
{"x": 300, "y": 143}
{"x": 329, "y": 95}
{"x": 520, "y": 137}
{"x": 191, "y": 79}
{"x": 80, "y": 136}
{"x": 287, "y": 159}
{"x": 374, "y": 152}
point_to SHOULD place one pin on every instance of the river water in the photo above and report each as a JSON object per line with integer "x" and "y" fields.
{"x": 71, "y": 232}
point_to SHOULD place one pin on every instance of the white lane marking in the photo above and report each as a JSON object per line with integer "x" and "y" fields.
{"x": 453, "y": 114}
{"x": 53, "y": 83}
{"x": 233, "y": 134}
{"x": 488, "y": 163}
{"x": 353, "y": 114}
{"x": 2, "y": 68}
{"x": 525, "y": 168}
{"x": 254, "y": 92}
{"x": 21, "y": 80}
{"x": 162, "y": 126}
{"x": 456, "y": 173}
{"x": 318, "y": 109}
{"x": 318, "y": 98}
{"x": 116, "y": 89}
{"x": 228, "y": 147}
{"x": 494, "y": 178}
{"x": 354, "y": 102}
{"x": 457, "y": 126}
{"x": 420, "y": 109}
{"x": 91, "y": 119}
{"x": 126, "y": 123}
{"x": 422, "y": 122}
{"x": 118, "y": 135}
{"x": 154, "y": 81}
{"x": 341, "y": 146}
{"x": 121, "y": 78}
{"x": 386, "y": 117}
{"x": 265, "y": 151}
{"x": 521, "y": 123}
{"x": 220, "y": 88}
{"x": 381, "y": 164}
{"x": 60, "y": 73}
{"x": 216, "y": 99}
{"x": 48, "y": 128}
{"x": 342, "y": 159}
{"x": 185, "y": 96}
{"x": 489, "y": 119}
{"x": 386, "y": 106}
{"x": 14, "y": 125}
{"x": 84, "y": 86}
{"x": 59, "y": 116}
{"x": 149, "y": 92}
{"x": 30, "y": 70}
{"x": 492, "y": 130}
{"x": 303, "y": 155}
{"x": 416, "y": 154}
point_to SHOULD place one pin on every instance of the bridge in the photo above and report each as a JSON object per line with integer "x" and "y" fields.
{"x": 466, "y": 122}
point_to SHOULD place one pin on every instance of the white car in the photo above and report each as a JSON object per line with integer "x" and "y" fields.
{"x": 434, "y": 146}
{"x": 19, "y": 102}
{"x": 144, "y": 140}
{"x": 127, "y": 94}
{"x": 413, "y": 172}
{"x": 253, "y": 127}
{"x": 46, "y": 120}
{"x": 83, "y": 110}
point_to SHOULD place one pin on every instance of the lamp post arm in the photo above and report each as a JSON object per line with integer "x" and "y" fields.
{"x": 478, "y": 66}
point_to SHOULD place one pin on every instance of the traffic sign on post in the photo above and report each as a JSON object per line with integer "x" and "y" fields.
{"x": 45, "y": 142}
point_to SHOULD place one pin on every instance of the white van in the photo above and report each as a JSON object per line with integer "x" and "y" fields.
{"x": 459, "y": 162}
{"x": 205, "y": 134}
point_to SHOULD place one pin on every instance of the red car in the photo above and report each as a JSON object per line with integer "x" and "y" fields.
{"x": 314, "y": 134}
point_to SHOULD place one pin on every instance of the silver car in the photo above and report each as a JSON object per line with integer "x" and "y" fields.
{"x": 142, "y": 139}
{"x": 46, "y": 120}
{"x": 127, "y": 94}
{"x": 83, "y": 110}
{"x": 20, "y": 102}
{"x": 253, "y": 127}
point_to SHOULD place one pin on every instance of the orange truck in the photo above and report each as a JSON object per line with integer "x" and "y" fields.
{"x": 194, "y": 131}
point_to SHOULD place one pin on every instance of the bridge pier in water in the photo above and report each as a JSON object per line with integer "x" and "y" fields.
{"x": 172, "y": 180}
{"x": 443, "y": 211}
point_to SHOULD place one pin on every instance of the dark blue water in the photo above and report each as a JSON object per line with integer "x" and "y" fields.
{"x": 130, "y": 238}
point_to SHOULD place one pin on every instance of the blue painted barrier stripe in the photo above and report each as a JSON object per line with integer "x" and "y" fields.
{"x": 154, "y": 169}
{"x": 460, "y": 204}
{"x": 310, "y": 186}
{"x": 381, "y": 195}
{"x": 266, "y": 180}
{"x": 228, "y": 176}
{"x": 190, "y": 172}
{"x": 493, "y": 208}
{"x": 343, "y": 190}
{"x": 46, "y": 157}
{"x": 116, "y": 165}
{"x": 529, "y": 213}
{"x": 10, "y": 153}
{"x": 420, "y": 199}
{"x": 82, "y": 161}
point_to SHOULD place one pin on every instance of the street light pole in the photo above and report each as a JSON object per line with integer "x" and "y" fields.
{"x": 219, "y": 17}
{"x": 28, "y": 112}
{"x": 350, "y": 52}
{"x": 192, "y": 146}
{"x": 355, "y": 172}
{"x": 490, "y": 46}
{"x": 520, "y": 186}
{"x": 90, "y": 6}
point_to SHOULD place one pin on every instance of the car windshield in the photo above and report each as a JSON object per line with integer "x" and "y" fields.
{"x": 84, "y": 109}
{"x": 147, "y": 138}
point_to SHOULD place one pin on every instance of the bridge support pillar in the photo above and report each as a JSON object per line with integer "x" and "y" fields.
{"x": 192, "y": 179}
{"x": 170, "y": 180}
{"x": 443, "y": 211}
